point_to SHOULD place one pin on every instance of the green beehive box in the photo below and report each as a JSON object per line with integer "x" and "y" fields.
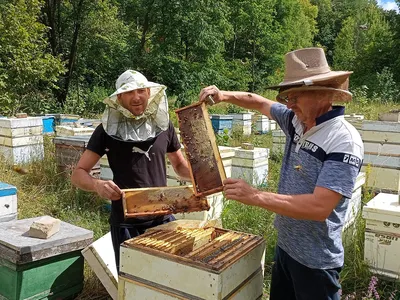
{"x": 33, "y": 268}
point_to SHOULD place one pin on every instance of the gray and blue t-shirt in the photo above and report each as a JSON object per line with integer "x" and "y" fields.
{"x": 328, "y": 155}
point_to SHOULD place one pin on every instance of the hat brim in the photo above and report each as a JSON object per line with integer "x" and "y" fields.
{"x": 330, "y": 78}
{"x": 339, "y": 94}
{"x": 154, "y": 87}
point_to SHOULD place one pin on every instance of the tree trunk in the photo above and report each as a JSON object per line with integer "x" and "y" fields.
{"x": 146, "y": 25}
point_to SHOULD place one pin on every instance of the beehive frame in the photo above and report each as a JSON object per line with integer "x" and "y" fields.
{"x": 206, "y": 169}
{"x": 161, "y": 201}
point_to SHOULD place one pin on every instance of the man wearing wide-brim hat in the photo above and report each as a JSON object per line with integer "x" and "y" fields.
{"x": 322, "y": 158}
{"x": 136, "y": 135}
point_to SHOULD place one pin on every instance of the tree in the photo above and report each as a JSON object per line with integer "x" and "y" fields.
{"x": 27, "y": 68}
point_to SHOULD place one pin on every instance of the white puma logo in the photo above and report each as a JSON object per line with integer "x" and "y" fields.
{"x": 136, "y": 149}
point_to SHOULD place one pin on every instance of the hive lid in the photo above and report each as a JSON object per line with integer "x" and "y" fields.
{"x": 19, "y": 248}
{"x": 7, "y": 189}
{"x": 80, "y": 140}
{"x": 383, "y": 207}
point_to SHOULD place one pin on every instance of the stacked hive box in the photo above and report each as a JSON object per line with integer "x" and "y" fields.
{"x": 179, "y": 264}
{"x": 32, "y": 268}
{"x": 221, "y": 122}
{"x": 382, "y": 159}
{"x": 278, "y": 140}
{"x": 355, "y": 201}
{"x": 68, "y": 152}
{"x": 242, "y": 123}
{"x": 63, "y": 130}
{"x": 382, "y": 235}
{"x": 8, "y": 202}
{"x": 63, "y": 119}
{"x": 48, "y": 124}
{"x": 21, "y": 139}
{"x": 262, "y": 124}
{"x": 251, "y": 165}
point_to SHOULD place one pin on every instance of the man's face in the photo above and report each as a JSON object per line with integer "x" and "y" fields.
{"x": 135, "y": 101}
{"x": 307, "y": 105}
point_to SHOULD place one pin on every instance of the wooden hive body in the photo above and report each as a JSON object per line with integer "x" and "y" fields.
{"x": 206, "y": 168}
{"x": 162, "y": 265}
{"x": 32, "y": 268}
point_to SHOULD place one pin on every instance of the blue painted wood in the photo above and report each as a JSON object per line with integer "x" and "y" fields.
{"x": 7, "y": 189}
{"x": 221, "y": 122}
{"x": 48, "y": 124}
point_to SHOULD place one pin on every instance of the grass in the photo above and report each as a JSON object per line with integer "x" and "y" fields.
{"x": 46, "y": 191}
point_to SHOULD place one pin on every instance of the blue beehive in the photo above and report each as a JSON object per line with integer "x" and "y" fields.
{"x": 221, "y": 122}
{"x": 48, "y": 124}
{"x": 8, "y": 202}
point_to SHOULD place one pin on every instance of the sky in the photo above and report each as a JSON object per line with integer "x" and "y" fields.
{"x": 388, "y": 4}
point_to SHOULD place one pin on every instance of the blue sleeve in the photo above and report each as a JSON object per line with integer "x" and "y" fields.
{"x": 283, "y": 116}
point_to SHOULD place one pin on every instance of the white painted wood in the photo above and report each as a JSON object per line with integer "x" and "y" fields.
{"x": 353, "y": 208}
{"x": 382, "y": 253}
{"x": 21, "y": 141}
{"x": 382, "y": 178}
{"x": 21, "y": 131}
{"x": 21, "y": 122}
{"x": 360, "y": 181}
{"x": 251, "y": 290}
{"x": 273, "y": 125}
{"x": 382, "y": 149}
{"x": 251, "y": 154}
{"x": 186, "y": 278}
{"x": 381, "y": 126}
{"x": 22, "y": 154}
{"x": 8, "y": 207}
{"x": 383, "y": 207}
{"x": 390, "y": 117}
{"x": 106, "y": 173}
{"x": 382, "y": 234}
{"x": 100, "y": 257}
{"x": 382, "y": 137}
{"x": 73, "y": 131}
{"x": 262, "y": 124}
{"x": 382, "y": 161}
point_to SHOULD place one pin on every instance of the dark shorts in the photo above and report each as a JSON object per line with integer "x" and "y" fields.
{"x": 292, "y": 280}
{"x": 122, "y": 232}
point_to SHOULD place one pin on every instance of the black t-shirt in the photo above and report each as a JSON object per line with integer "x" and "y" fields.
{"x": 134, "y": 164}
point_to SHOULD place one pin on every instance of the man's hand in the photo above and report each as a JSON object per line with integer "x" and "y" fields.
{"x": 212, "y": 91}
{"x": 107, "y": 189}
{"x": 240, "y": 190}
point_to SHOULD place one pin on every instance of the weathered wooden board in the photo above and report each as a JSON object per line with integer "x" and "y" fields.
{"x": 206, "y": 168}
{"x": 100, "y": 257}
{"x": 161, "y": 201}
{"x": 190, "y": 278}
{"x": 250, "y": 289}
{"x": 382, "y": 179}
{"x": 22, "y": 131}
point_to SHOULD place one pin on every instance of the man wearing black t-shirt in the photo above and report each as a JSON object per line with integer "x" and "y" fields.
{"x": 135, "y": 134}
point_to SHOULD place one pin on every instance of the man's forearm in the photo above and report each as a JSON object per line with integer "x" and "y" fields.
{"x": 83, "y": 180}
{"x": 305, "y": 206}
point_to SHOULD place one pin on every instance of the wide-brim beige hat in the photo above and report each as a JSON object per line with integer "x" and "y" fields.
{"x": 308, "y": 67}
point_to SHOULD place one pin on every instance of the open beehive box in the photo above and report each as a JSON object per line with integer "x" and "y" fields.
{"x": 205, "y": 164}
{"x": 196, "y": 263}
{"x": 161, "y": 201}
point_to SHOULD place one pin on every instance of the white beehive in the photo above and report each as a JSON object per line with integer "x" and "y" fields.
{"x": 63, "y": 130}
{"x": 8, "y": 202}
{"x": 229, "y": 266}
{"x": 382, "y": 234}
{"x": 262, "y": 124}
{"x": 355, "y": 201}
{"x": 382, "y": 161}
{"x": 100, "y": 257}
{"x": 21, "y": 139}
{"x": 251, "y": 165}
{"x": 278, "y": 141}
{"x": 242, "y": 122}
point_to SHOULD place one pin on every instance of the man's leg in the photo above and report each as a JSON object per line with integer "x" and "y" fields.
{"x": 281, "y": 283}
{"x": 118, "y": 236}
{"x": 313, "y": 283}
